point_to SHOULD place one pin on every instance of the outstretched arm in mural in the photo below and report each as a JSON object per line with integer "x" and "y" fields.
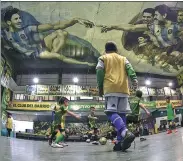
{"x": 125, "y": 27}
{"x": 65, "y": 24}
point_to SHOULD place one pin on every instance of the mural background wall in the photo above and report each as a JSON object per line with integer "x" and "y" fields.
{"x": 90, "y": 40}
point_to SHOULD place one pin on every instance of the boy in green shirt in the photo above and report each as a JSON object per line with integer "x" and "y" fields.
{"x": 135, "y": 106}
{"x": 170, "y": 116}
{"x": 58, "y": 124}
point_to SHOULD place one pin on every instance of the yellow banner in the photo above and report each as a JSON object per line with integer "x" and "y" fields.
{"x": 176, "y": 103}
{"x": 35, "y": 106}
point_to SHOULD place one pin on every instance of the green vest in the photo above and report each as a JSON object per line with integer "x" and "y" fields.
{"x": 170, "y": 111}
{"x": 92, "y": 122}
{"x": 60, "y": 116}
{"x": 134, "y": 105}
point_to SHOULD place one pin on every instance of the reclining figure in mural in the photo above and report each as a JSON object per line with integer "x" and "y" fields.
{"x": 164, "y": 36}
{"x": 29, "y": 41}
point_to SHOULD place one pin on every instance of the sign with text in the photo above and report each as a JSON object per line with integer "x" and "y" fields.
{"x": 55, "y": 89}
{"x": 176, "y": 103}
{"x": 152, "y": 91}
{"x": 85, "y": 106}
{"x": 167, "y": 91}
{"x": 42, "y": 89}
{"x": 32, "y": 106}
{"x": 45, "y": 106}
{"x": 160, "y": 92}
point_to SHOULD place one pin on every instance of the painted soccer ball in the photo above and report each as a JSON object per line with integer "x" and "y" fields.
{"x": 103, "y": 141}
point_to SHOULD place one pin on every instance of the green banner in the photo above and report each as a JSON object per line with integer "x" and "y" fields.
{"x": 85, "y": 106}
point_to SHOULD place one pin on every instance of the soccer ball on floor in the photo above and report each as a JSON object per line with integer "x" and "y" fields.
{"x": 102, "y": 140}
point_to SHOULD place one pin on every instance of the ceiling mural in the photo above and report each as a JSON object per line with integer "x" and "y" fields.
{"x": 73, "y": 34}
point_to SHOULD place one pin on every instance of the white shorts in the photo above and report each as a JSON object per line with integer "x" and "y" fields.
{"x": 117, "y": 104}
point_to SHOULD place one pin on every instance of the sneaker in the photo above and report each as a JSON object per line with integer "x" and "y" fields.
{"x": 143, "y": 139}
{"x": 55, "y": 145}
{"x": 128, "y": 139}
{"x": 117, "y": 147}
{"x": 63, "y": 144}
{"x": 88, "y": 140}
{"x": 169, "y": 131}
{"x": 95, "y": 143}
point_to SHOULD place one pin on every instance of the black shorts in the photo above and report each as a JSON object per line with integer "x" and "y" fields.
{"x": 132, "y": 119}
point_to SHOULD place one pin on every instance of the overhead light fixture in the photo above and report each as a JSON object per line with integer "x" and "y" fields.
{"x": 148, "y": 82}
{"x": 170, "y": 84}
{"x": 75, "y": 80}
{"x": 36, "y": 80}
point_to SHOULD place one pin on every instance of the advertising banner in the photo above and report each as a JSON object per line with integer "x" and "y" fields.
{"x": 176, "y": 103}
{"x": 45, "y": 106}
{"x": 74, "y": 106}
{"x": 152, "y": 91}
{"x": 42, "y": 89}
{"x": 31, "y": 106}
{"x": 55, "y": 89}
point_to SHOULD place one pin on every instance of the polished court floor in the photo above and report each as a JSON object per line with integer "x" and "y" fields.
{"x": 160, "y": 147}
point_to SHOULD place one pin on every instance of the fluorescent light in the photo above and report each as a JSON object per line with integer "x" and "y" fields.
{"x": 148, "y": 82}
{"x": 75, "y": 80}
{"x": 170, "y": 84}
{"x": 35, "y": 80}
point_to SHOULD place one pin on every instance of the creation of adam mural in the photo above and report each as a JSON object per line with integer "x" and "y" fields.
{"x": 155, "y": 34}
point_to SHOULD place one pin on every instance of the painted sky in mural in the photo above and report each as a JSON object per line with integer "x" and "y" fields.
{"x": 149, "y": 34}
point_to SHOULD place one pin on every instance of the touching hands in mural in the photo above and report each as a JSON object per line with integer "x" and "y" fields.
{"x": 105, "y": 29}
{"x": 86, "y": 23}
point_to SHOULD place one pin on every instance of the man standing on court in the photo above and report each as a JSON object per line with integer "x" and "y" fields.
{"x": 112, "y": 78}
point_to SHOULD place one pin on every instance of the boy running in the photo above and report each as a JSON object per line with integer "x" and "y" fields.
{"x": 135, "y": 106}
{"x": 58, "y": 125}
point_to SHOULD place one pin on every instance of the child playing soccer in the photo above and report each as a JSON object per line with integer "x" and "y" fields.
{"x": 58, "y": 125}
{"x": 170, "y": 116}
{"x": 135, "y": 106}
